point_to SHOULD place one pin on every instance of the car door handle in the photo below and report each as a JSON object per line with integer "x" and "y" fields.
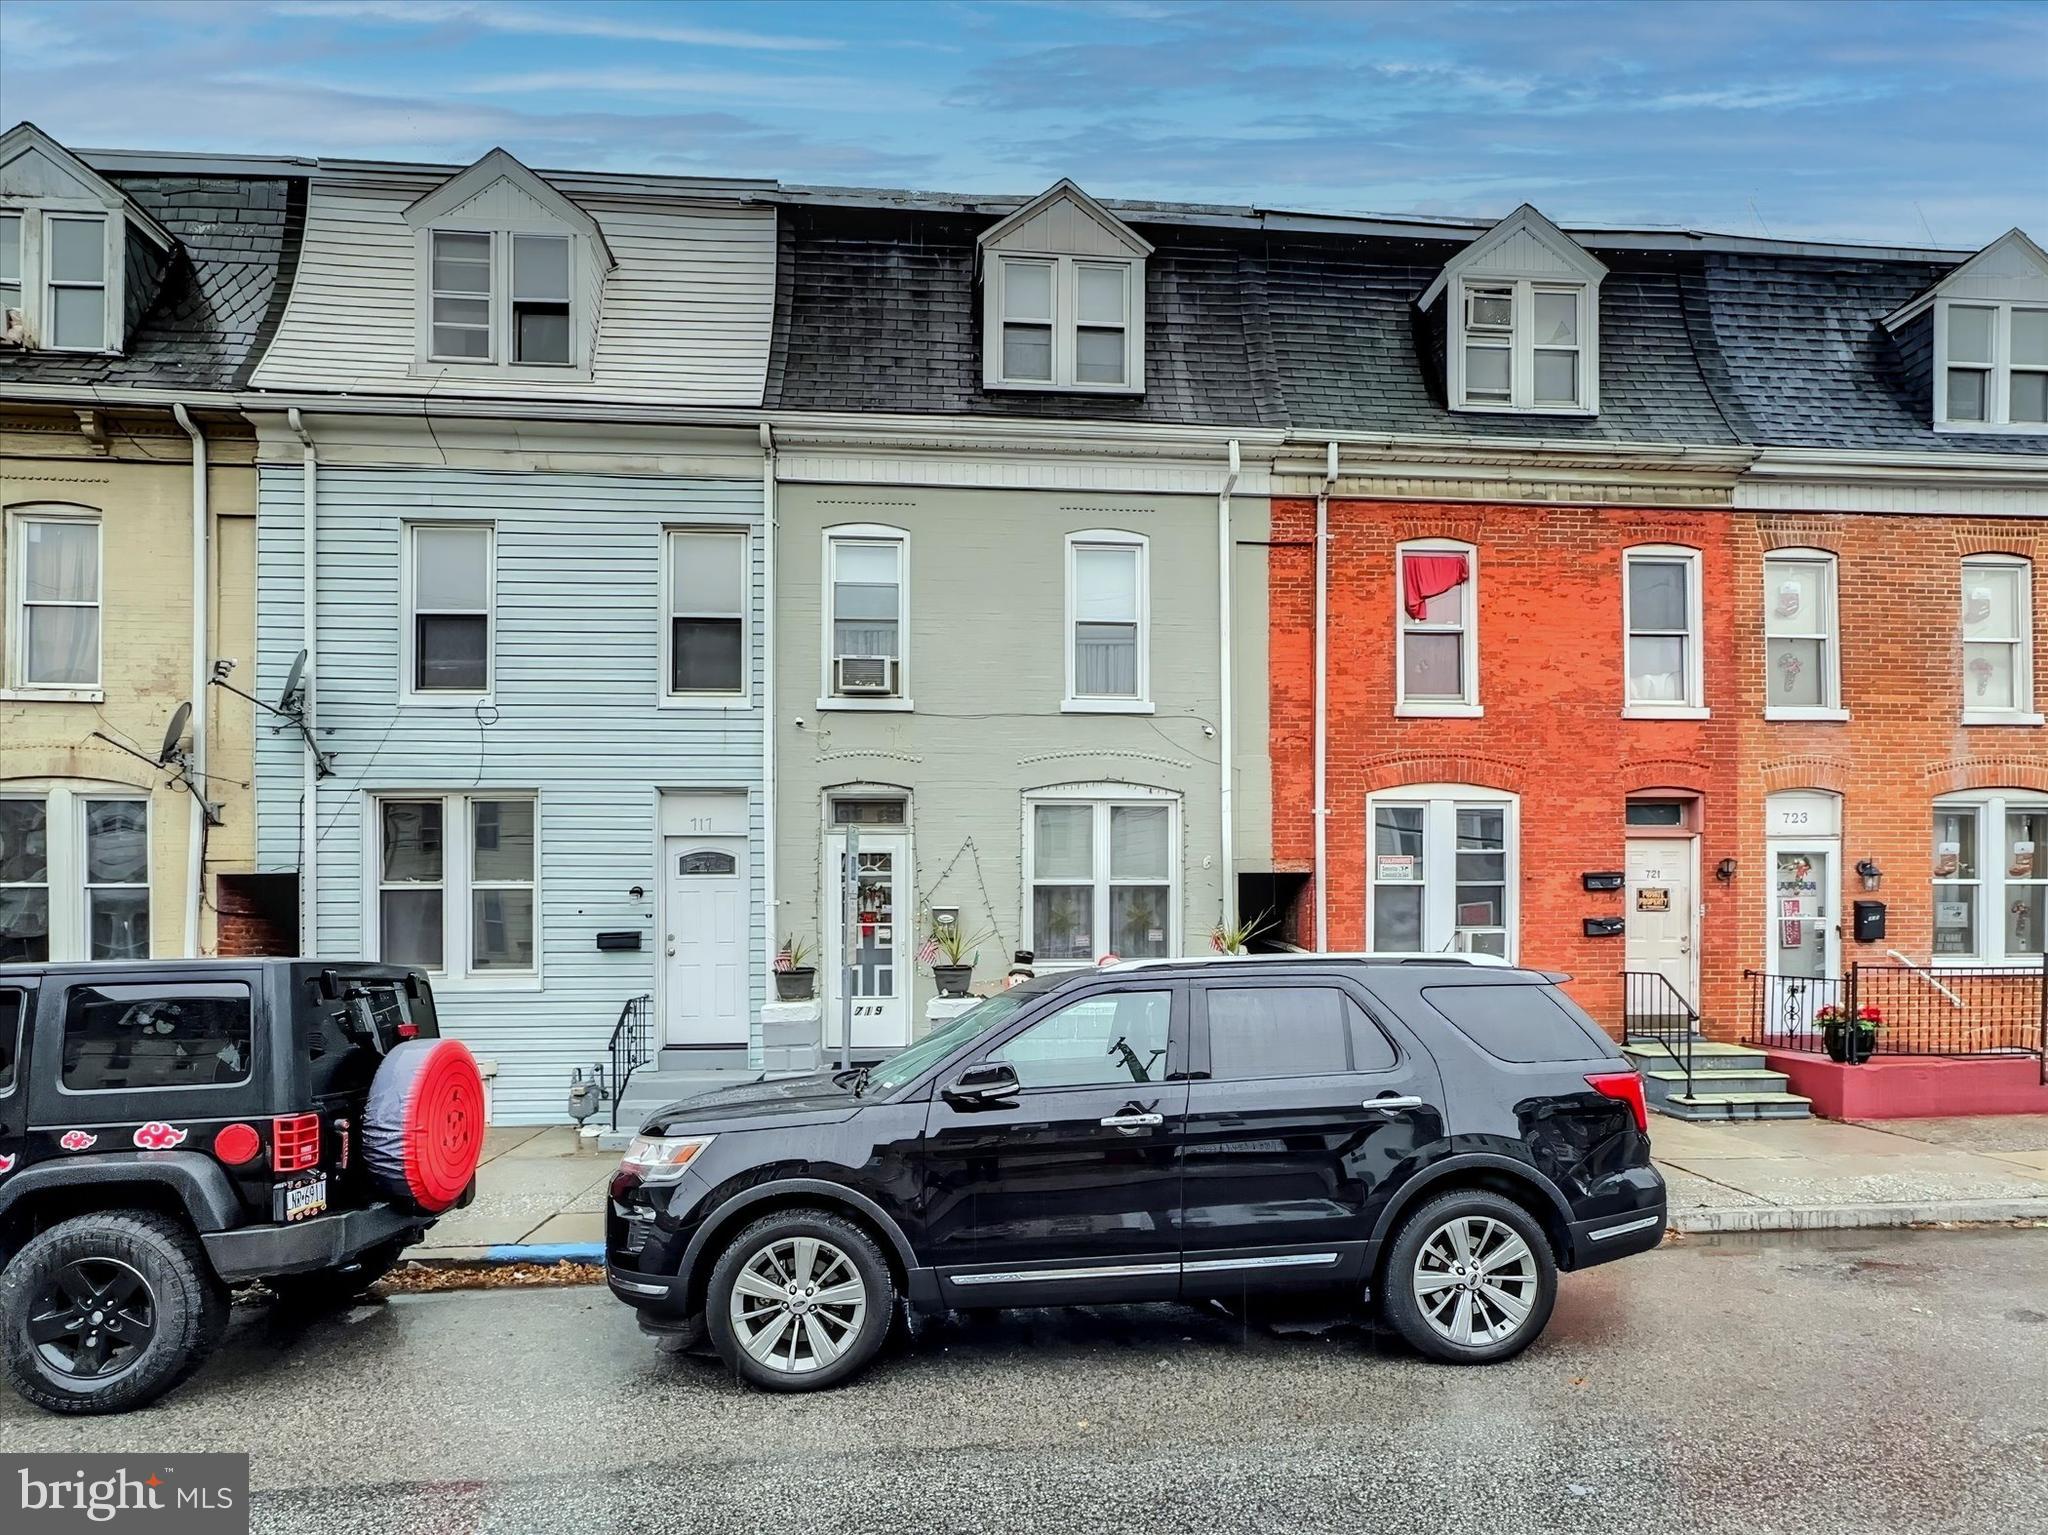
{"x": 1388, "y": 1103}
{"x": 1133, "y": 1121}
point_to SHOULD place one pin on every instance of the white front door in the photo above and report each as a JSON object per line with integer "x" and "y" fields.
{"x": 705, "y": 941}
{"x": 882, "y": 946}
{"x": 1659, "y": 915}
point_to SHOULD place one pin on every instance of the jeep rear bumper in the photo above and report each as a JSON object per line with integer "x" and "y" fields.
{"x": 324, "y": 1242}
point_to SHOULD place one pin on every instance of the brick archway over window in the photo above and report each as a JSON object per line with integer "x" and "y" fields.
{"x": 1805, "y": 773}
{"x": 1465, "y": 767}
{"x": 1987, "y": 773}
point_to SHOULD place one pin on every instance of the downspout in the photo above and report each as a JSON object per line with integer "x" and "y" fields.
{"x": 768, "y": 905}
{"x": 1322, "y": 807}
{"x": 309, "y": 595}
{"x": 1227, "y": 724}
{"x": 202, "y": 669}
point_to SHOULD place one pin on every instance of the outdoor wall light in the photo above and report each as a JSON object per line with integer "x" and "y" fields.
{"x": 1873, "y": 876}
{"x": 1724, "y": 871}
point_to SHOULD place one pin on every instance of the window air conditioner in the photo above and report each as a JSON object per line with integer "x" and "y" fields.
{"x": 864, "y": 675}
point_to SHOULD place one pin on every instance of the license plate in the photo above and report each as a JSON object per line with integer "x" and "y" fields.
{"x": 305, "y": 1198}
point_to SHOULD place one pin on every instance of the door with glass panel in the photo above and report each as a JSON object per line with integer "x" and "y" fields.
{"x": 1442, "y": 879}
{"x": 705, "y": 946}
{"x": 1805, "y": 945}
{"x": 881, "y": 942}
{"x": 1102, "y": 880}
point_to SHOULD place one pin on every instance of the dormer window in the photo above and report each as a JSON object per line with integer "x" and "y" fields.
{"x": 1977, "y": 341}
{"x": 1521, "y": 329}
{"x": 1063, "y": 281}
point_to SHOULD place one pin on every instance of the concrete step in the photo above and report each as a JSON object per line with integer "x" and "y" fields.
{"x": 1736, "y": 1106}
{"x": 1707, "y": 1055}
{"x": 1670, "y": 1082}
{"x": 701, "y": 1058}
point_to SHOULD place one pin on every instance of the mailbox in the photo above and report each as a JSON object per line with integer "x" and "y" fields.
{"x": 1604, "y": 927}
{"x": 1869, "y": 921}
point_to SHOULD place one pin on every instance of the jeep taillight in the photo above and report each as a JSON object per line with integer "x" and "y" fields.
{"x": 294, "y": 1142}
{"x": 1627, "y": 1086}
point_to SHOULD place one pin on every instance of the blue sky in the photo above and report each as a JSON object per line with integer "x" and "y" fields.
{"x": 1897, "y": 122}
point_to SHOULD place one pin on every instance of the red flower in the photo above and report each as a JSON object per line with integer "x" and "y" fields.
{"x": 158, "y": 1136}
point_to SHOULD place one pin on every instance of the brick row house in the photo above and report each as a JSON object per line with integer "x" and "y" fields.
{"x": 1109, "y": 574}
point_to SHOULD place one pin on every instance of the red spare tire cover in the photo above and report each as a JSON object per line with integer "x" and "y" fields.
{"x": 423, "y": 1128}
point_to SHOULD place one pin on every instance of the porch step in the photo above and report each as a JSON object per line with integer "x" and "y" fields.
{"x": 1672, "y": 1082}
{"x": 697, "y": 1058}
{"x": 1707, "y": 1055}
{"x": 1737, "y": 1106}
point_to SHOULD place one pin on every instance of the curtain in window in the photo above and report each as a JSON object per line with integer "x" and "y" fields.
{"x": 1106, "y": 622}
{"x": 865, "y": 600}
{"x": 1424, "y": 576}
{"x": 60, "y": 573}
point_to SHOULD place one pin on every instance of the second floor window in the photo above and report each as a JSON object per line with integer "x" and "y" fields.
{"x": 707, "y": 622}
{"x": 1801, "y": 658}
{"x": 1998, "y": 640}
{"x": 1661, "y": 613}
{"x": 450, "y": 623}
{"x": 1106, "y": 659}
{"x": 1437, "y": 667}
{"x": 54, "y": 604}
{"x": 865, "y": 620}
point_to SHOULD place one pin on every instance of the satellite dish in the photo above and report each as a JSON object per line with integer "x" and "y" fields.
{"x": 288, "y": 702}
{"x": 175, "y": 734}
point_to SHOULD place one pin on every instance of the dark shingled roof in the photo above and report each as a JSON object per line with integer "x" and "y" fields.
{"x": 222, "y": 292}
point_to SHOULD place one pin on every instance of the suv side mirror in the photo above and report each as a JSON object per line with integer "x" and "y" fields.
{"x": 980, "y": 1085}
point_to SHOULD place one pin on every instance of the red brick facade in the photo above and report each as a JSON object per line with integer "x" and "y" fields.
{"x": 1552, "y": 685}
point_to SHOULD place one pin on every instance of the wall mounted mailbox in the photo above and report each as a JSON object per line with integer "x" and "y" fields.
{"x": 1603, "y": 927}
{"x": 1869, "y": 921}
{"x": 609, "y": 941}
{"x": 1603, "y": 879}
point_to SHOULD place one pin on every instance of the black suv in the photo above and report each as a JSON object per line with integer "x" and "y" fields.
{"x": 169, "y": 1128}
{"x": 1439, "y": 1136}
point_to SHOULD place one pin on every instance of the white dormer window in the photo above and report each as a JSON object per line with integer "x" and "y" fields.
{"x": 1981, "y": 336}
{"x": 1063, "y": 285}
{"x": 1522, "y": 321}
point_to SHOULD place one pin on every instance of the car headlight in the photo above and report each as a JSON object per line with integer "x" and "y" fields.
{"x": 663, "y": 1158}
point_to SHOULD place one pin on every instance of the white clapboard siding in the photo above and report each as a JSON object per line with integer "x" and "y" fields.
{"x": 576, "y": 672}
{"x": 684, "y": 318}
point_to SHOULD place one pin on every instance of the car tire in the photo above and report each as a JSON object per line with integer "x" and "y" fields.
{"x": 324, "y": 1289}
{"x": 766, "y": 1304}
{"x": 155, "y": 1281}
{"x": 1469, "y": 1279}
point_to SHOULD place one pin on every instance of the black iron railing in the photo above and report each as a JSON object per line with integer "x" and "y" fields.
{"x": 632, "y": 1047}
{"x": 1653, "y": 1011}
{"x": 1893, "y": 1009}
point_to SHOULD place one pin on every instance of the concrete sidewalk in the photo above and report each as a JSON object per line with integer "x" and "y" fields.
{"x": 541, "y": 1191}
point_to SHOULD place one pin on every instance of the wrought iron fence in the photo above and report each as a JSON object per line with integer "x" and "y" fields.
{"x": 1654, "y": 1012}
{"x": 1881, "y": 1010}
{"x": 632, "y": 1047}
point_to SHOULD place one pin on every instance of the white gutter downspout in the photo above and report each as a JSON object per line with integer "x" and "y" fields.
{"x": 1322, "y": 806}
{"x": 309, "y": 596}
{"x": 1227, "y": 724}
{"x": 202, "y": 669}
{"x": 770, "y": 915}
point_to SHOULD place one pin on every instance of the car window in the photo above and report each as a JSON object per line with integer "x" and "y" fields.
{"x": 12, "y": 1006}
{"x": 1518, "y": 1022}
{"x": 1291, "y": 1031}
{"x": 125, "y": 1038}
{"x": 1098, "y": 1041}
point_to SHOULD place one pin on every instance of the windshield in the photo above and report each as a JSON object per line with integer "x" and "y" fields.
{"x": 989, "y": 1013}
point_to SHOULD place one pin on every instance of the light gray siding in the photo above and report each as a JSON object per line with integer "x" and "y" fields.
{"x": 577, "y": 671}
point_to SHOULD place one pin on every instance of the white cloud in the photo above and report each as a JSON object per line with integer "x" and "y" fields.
{"x": 32, "y": 41}
{"x": 543, "y": 21}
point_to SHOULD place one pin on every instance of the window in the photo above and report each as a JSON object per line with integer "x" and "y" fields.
{"x": 1064, "y": 322}
{"x": 1994, "y": 366}
{"x": 865, "y": 621}
{"x": 1661, "y": 614}
{"x": 117, "y": 878}
{"x": 75, "y": 277}
{"x": 13, "y": 1013}
{"x": 867, "y": 812}
{"x": 55, "y": 602}
{"x": 1990, "y": 879}
{"x": 1100, "y": 1041}
{"x": 1107, "y": 661}
{"x": 1443, "y": 871}
{"x": 460, "y": 907}
{"x": 1662, "y": 813}
{"x": 1437, "y": 663}
{"x": 1104, "y": 878}
{"x": 74, "y": 875}
{"x": 24, "y": 880}
{"x": 1998, "y": 641}
{"x": 135, "y": 1038}
{"x": 1519, "y": 1022}
{"x": 1290, "y": 1031}
{"x": 450, "y": 571}
{"x": 1521, "y": 346}
{"x": 1027, "y": 320}
{"x": 10, "y": 268}
{"x": 707, "y": 614}
{"x": 1801, "y": 659}
{"x": 461, "y": 296}
{"x": 540, "y": 299}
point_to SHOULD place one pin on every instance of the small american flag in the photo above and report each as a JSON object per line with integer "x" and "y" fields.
{"x": 928, "y": 951}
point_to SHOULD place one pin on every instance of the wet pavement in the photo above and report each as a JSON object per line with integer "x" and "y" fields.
{"x": 1855, "y": 1382}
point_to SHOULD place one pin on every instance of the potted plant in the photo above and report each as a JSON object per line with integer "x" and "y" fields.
{"x": 796, "y": 978}
{"x": 951, "y": 954}
{"x": 1851, "y": 1041}
{"x": 1235, "y": 939}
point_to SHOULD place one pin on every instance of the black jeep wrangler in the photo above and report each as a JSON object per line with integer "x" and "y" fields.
{"x": 171, "y": 1128}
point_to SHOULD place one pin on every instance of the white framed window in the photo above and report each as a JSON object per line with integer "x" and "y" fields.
{"x": 10, "y": 275}
{"x": 75, "y": 282}
{"x": 1998, "y": 641}
{"x": 1436, "y": 628}
{"x": 457, "y": 882}
{"x": 500, "y": 299}
{"x": 1661, "y": 619}
{"x": 1445, "y": 875}
{"x": 1065, "y": 322}
{"x": 1802, "y": 652}
{"x": 1522, "y": 345}
{"x": 867, "y": 619}
{"x": 54, "y": 574}
{"x": 74, "y": 872}
{"x": 1990, "y": 882}
{"x": 1102, "y": 873}
{"x": 1991, "y": 365}
{"x": 1108, "y": 623}
{"x": 705, "y": 637}
{"x": 459, "y": 295}
{"x": 449, "y": 585}
{"x": 540, "y": 300}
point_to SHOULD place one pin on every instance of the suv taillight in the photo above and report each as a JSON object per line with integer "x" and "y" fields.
{"x": 1626, "y": 1086}
{"x": 294, "y": 1142}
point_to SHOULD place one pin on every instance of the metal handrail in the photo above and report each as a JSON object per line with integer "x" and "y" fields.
{"x": 1652, "y": 1008}
{"x": 631, "y": 1046}
{"x": 1926, "y": 975}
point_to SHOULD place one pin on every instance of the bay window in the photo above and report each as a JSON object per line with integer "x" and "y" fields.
{"x": 1661, "y": 618}
{"x": 456, "y": 883}
{"x": 1107, "y": 651}
{"x": 1990, "y": 885}
{"x": 1103, "y": 875}
{"x": 1998, "y": 641}
{"x": 1444, "y": 871}
{"x": 1801, "y": 656}
{"x": 1437, "y": 629}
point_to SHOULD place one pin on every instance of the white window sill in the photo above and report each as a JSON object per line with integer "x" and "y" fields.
{"x": 432, "y": 369}
{"x": 1993, "y": 428}
{"x": 53, "y": 695}
{"x": 1666, "y": 712}
{"x": 1445, "y": 711}
{"x": 2001, "y": 717}
{"x": 865, "y": 705}
{"x": 1805, "y": 712}
{"x": 445, "y": 700}
{"x": 1020, "y": 386}
{"x": 685, "y": 703}
{"x": 1106, "y": 706}
{"x": 1493, "y": 408}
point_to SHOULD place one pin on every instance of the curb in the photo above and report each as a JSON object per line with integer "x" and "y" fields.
{"x": 1864, "y": 1217}
{"x": 508, "y": 1252}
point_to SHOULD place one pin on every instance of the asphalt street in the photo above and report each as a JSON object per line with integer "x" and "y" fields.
{"x": 1855, "y": 1382}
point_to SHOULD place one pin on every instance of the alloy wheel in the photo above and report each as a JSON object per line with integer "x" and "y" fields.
{"x": 1475, "y": 1280}
{"x": 94, "y": 1321}
{"x": 798, "y": 1304}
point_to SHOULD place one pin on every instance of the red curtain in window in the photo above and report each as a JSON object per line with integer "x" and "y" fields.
{"x": 1424, "y": 576}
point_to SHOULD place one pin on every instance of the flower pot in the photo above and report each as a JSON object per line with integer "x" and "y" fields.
{"x": 797, "y": 985}
{"x": 1851, "y": 1049}
{"x": 953, "y": 979}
